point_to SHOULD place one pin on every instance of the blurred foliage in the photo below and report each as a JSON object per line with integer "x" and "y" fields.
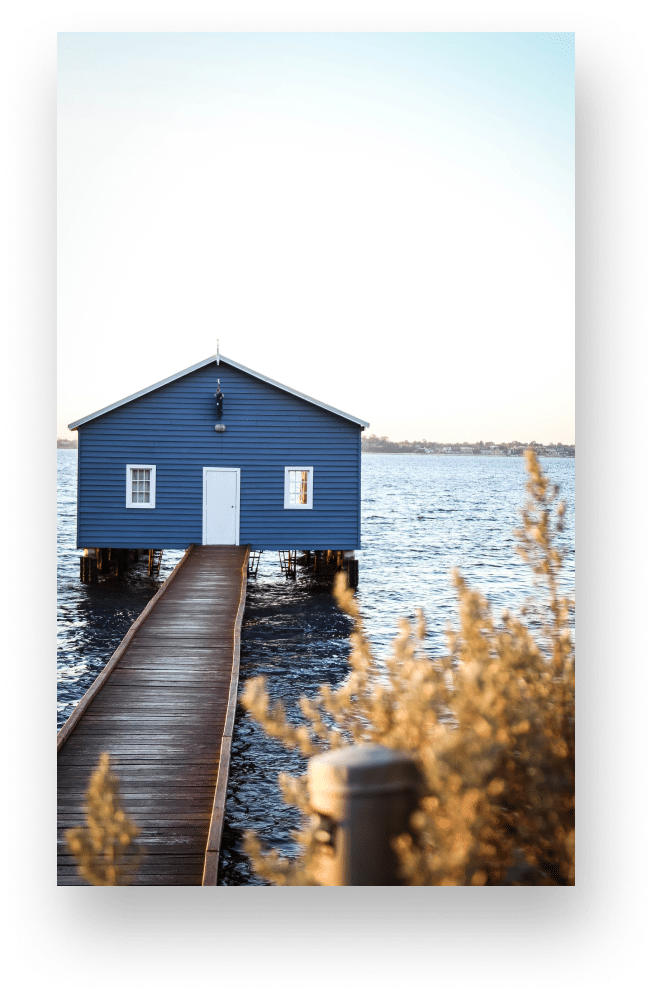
{"x": 491, "y": 727}
{"x": 105, "y": 850}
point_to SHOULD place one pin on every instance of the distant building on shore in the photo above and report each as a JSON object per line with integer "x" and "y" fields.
{"x": 382, "y": 444}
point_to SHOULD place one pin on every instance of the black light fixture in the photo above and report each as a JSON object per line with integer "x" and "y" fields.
{"x": 219, "y": 406}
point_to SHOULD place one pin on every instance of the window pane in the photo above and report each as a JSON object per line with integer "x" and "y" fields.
{"x": 298, "y": 487}
{"x": 140, "y": 489}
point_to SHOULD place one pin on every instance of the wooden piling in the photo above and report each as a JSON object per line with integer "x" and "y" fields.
{"x": 88, "y": 570}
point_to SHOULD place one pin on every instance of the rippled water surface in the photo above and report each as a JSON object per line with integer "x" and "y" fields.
{"x": 421, "y": 516}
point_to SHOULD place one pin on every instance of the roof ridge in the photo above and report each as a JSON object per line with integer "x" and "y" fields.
{"x": 206, "y": 362}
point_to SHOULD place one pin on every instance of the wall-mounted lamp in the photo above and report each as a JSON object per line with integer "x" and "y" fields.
{"x": 220, "y": 428}
{"x": 219, "y": 400}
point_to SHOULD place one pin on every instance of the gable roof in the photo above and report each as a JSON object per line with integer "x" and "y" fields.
{"x": 203, "y": 363}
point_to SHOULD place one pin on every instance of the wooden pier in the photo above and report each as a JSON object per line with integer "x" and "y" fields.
{"x": 163, "y": 709}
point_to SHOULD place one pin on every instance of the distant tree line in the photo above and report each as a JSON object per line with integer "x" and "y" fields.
{"x": 382, "y": 444}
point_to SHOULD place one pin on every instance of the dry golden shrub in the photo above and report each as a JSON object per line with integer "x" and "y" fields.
{"x": 104, "y": 850}
{"x": 491, "y": 727}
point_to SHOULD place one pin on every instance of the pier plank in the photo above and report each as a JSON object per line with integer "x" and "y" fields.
{"x": 163, "y": 709}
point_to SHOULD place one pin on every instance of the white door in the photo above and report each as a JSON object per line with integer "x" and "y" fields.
{"x": 221, "y": 506}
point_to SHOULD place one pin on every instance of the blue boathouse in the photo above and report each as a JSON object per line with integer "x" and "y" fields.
{"x": 219, "y": 454}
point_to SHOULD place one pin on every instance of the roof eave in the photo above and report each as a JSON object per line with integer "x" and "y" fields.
{"x": 206, "y": 362}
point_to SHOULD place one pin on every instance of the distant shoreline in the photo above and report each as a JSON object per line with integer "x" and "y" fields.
{"x": 514, "y": 447}
{"x": 72, "y": 444}
{"x": 456, "y": 453}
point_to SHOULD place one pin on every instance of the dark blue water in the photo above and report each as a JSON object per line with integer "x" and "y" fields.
{"x": 421, "y": 516}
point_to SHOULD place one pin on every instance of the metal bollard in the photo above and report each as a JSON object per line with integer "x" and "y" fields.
{"x": 364, "y": 797}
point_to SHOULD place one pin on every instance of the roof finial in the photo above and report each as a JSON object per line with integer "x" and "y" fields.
{"x": 218, "y": 352}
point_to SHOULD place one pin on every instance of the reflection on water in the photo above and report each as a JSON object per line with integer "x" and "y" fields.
{"x": 294, "y": 634}
{"x": 421, "y": 516}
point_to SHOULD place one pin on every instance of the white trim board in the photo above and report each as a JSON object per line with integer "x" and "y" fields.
{"x": 207, "y": 362}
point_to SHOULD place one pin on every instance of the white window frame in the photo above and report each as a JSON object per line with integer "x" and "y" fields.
{"x": 286, "y": 489}
{"x": 129, "y": 489}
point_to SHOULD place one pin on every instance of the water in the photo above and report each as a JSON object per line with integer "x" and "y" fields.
{"x": 91, "y": 619}
{"x": 421, "y": 516}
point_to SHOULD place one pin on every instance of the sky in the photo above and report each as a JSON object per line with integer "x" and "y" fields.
{"x": 382, "y": 221}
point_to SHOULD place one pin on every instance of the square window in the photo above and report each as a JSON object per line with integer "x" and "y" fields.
{"x": 298, "y": 487}
{"x": 140, "y": 485}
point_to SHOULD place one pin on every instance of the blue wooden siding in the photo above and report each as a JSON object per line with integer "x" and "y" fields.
{"x": 267, "y": 429}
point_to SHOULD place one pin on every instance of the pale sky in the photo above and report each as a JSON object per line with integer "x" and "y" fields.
{"x": 382, "y": 221}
